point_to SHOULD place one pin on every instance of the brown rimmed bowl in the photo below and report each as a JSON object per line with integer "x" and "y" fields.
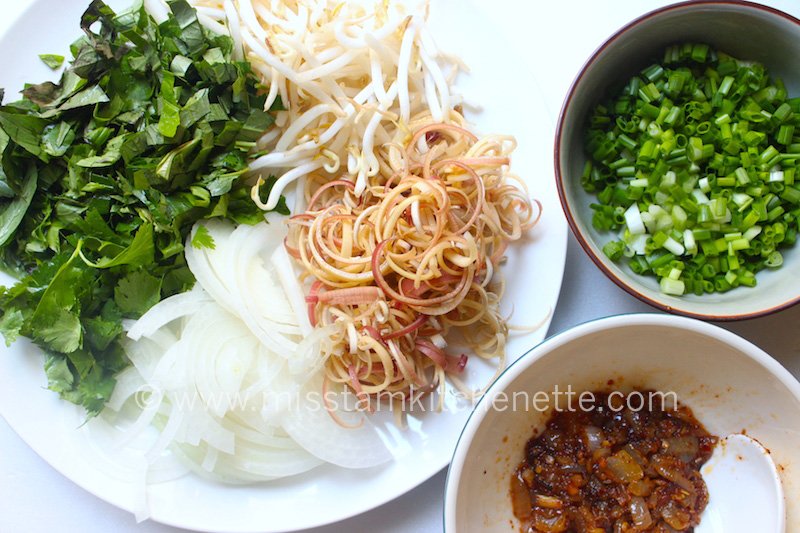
{"x": 744, "y": 30}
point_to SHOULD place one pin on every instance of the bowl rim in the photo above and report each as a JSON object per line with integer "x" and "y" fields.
{"x": 558, "y": 340}
{"x": 559, "y": 175}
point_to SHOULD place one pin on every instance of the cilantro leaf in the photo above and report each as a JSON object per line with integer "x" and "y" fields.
{"x": 137, "y": 292}
{"x": 100, "y": 332}
{"x": 203, "y": 239}
{"x": 59, "y": 376}
{"x": 11, "y": 324}
{"x": 62, "y": 331}
{"x": 94, "y": 391}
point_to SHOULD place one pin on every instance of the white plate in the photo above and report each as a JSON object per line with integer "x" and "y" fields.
{"x": 511, "y": 102}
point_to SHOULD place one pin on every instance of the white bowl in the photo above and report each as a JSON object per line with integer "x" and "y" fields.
{"x": 742, "y": 29}
{"x": 730, "y": 384}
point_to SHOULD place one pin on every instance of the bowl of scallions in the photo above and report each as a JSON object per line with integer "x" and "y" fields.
{"x": 677, "y": 159}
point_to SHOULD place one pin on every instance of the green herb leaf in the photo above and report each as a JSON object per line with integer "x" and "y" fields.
{"x": 13, "y": 212}
{"x": 107, "y": 158}
{"x": 59, "y": 376}
{"x": 93, "y": 391}
{"x": 62, "y": 331}
{"x": 57, "y": 139}
{"x": 202, "y": 238}
{"x": 53, "y": 61}
{"x": 42, "y": 94}
{"x": 55, "y": 320}
{"x": 170, "y": 112}
{"x": 11, "y": 325}
{"x": 137, "y": 292}
{"x": 88, "y": 97}
{"x": 25, "y": 130}
{"x": 100, "y": 332}
{"x": 139, "y": 253}
{"x": 104, "y": 174}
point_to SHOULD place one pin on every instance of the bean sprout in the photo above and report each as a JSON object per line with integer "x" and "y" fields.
{"x": 350, "y": 75}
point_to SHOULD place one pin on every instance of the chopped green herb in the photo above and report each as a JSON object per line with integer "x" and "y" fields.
{"x": 53, "y": 61}
{"x": 137, "y": 292}
{"x": 203, "y": 239}
{"x": 103, "y": 175}
{"x": 10, "y": 325}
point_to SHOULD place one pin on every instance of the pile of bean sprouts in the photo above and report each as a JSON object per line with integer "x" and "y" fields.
{"x": 350, "y": 74}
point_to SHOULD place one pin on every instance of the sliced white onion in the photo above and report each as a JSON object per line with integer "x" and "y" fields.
{"x": 311, "y": 425}
{"x": 166, "y": 311}
{"x": 129, "y": 382}
{"x": 224, "y": 376}
{"x": 242, "y": 282}
{"x": 291, "y": 287}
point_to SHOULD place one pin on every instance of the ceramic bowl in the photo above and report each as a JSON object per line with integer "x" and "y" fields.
{"x": 730, "y": 384}
{"x": 741, "y": 29}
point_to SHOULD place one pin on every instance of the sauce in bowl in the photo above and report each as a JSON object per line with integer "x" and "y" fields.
{"x": 620, "y": 463}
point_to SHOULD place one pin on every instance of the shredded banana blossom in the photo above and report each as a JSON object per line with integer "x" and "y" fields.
{"x": 413, "y": 259}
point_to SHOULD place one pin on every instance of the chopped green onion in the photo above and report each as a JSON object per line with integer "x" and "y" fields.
{"x": 752, "y": 233}
{"x": 633, "y": 219}
{"x": 694, "y": 166}
{"x": 775, "y": 176}
{"x": 791, "y": 195}
{"x": 739, "y": 244}
{"x": 671, "y": 286}
{"x": 674, "y": 246}
{"x": 614, "y": 249}
{"x": 742, "y": 177}
{"x": 675, "y": 273}
{"x": 785, "y": 134}
{"x": 774, "y": 260}
{"x": 649, "y": 92}
{"x": 768, "y": 155}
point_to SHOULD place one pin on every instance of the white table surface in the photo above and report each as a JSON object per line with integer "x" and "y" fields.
{"x": 563, "y": 33}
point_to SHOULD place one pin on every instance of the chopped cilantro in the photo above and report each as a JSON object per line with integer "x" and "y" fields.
{"x": 203, "y": 239}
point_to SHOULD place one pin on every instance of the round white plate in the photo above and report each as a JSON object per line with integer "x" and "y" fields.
{"x": 511, "y": 102}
